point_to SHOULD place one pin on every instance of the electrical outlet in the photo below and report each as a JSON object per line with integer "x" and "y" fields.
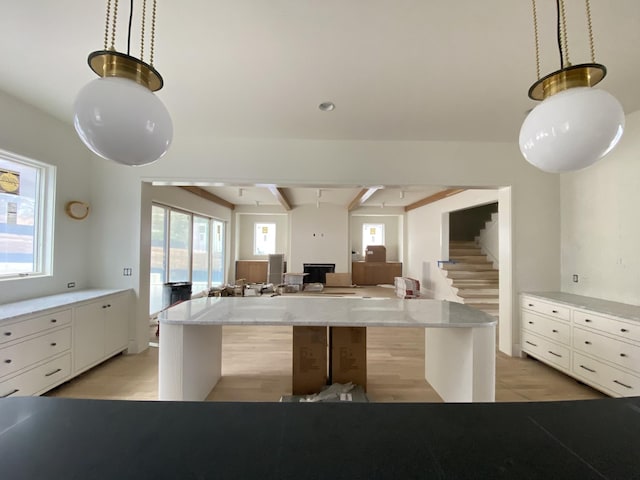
{"x": 71, "y": 284}
{"x": 127, "y": 272}
{"x": 575, "y": 278}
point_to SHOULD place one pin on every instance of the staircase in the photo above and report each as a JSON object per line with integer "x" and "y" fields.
{"x": 472, "y": 276}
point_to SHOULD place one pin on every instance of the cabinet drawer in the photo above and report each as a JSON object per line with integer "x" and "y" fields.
{"x": 546, "y": 350}
{"x": 630, "y": 331}
{"x": 609, "y": 349}
{"x": 551, "y": 309}
{"x": 556, "y": 330}
{"x": 612, "y": 379}
{"x": 37, "y": 379}
{"x": 15, "y": 331}
{"x": 23, "y": 354}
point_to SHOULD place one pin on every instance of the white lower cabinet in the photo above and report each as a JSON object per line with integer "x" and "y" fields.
{"x": 40, "y": 351}
{"x": 593, "y": 340}
{"x": 100, "y": 329}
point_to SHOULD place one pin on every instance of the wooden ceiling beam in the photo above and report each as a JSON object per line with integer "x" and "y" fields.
{"x": 202, "y": 193}
{"x": 281, "y": 196}
{"x": 433, "y": 198}
{"x": 362, "y": 196}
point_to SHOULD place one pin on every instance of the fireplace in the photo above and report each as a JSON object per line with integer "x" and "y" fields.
{"x": 317, "y": 272}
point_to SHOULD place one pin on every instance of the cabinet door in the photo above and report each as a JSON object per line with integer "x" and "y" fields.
{"x": 88, "y": 334}
{"x": 116, "y": 324}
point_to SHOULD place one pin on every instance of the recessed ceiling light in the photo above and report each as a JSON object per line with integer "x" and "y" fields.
{"x": 326, "y": 106}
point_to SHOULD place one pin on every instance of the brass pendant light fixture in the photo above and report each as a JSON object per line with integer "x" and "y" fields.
{"x": 575, "y": 125}
{"x": 117, "y": 116}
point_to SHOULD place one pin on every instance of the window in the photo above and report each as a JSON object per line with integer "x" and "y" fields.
{"x": 264, "y": 239}
{"x": 26, "y": 210}
{"x": 185, "y": 247}
{"x": 372, "y": 234}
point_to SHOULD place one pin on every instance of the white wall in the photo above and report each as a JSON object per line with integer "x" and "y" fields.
{"x": 29, "y": 132}
{"x": 319, "y": 235}
{"x": 600, "y": 223}
{"x": 245, "y": 234}
{"x": 392, "y": 237}
{"x": 489, "y": 241}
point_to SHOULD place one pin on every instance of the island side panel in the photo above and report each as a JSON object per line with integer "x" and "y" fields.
{"x": 484, "y": 364}
{"x": 449, "y": 362}
{"x": 190, "y": 363}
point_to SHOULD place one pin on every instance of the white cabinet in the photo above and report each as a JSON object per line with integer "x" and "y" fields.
{"x": 593, "y": 340}
{"x": 35, "y": 353}
{"x": 100, "y": 329}
{"x": 47, "y": 341}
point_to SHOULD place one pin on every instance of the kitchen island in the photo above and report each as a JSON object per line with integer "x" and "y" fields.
{"x": 459, "y": 340}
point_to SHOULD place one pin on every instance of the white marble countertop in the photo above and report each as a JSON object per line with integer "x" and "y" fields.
{"x": 598, "y": 305}
{"x": 320, "y": 311}
{"x": 10, "y": 311}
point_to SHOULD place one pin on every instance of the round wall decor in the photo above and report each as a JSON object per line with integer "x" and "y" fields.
{"x": 77, "y": 210}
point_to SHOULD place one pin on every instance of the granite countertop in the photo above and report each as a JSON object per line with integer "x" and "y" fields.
{"x": 597, "y": 305}
{"x": 321, "y": 311}
{"x": 10, "y": 311}
{"x": 45, "y": 438}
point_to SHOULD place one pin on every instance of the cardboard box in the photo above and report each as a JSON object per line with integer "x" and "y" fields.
{"x": 338, "y": 280}
{"x": 349, "y": 355}
{"x": 375, "y": 253}
{"x": 406, "y": 287}
{"x": 309, "y": 360}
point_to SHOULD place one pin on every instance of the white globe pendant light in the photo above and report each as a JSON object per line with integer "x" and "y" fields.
{"x": 571, "y": 130}
{"x": 117, "y": 116}
{"x": 575, "y": 125}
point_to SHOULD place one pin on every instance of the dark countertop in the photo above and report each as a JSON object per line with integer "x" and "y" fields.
{"x": 56, "y": 438}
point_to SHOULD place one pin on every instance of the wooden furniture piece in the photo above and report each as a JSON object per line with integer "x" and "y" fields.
{"x": 253, "y": 271}
{"x": 375, "y": 273}
{"x": 49, "y": 340}
{"x": 593, "y": 340}
{"x": 459, "y": 340}
{"x": 46, "y": 438}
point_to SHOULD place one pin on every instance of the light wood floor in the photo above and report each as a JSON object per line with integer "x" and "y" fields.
{"x": 256, "y": 366}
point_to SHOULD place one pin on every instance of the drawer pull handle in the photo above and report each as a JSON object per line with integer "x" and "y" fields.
{"x": 109, "y": 306}
{"x": 530, "y": 322}
{"x": 7, "y": 334}
{"x": 623, "y": 384}
{"x": 588, "y": 320}
{"x": 53, "y": 373}
{"x": 531, "y": 305}
{"x": 104, "y": 306}
{"x": 530, "y": 343}
{"x": 587, "y": 342}
{"x": 10, "y": 393}
{"x": 624, "y": 330}
{"x": 554, "y": 330}
{"x": 8, "y": 360}
{"x": 623, "y": 354}
{"x": 554, "y": 311}
{"x": 554, "y": 353}
{"x": 588, "y": 369}
{"x": 53, "y": 344}
{"x": 53, "y": 320}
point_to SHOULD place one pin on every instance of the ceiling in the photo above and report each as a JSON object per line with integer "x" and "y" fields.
{"x": 401, "y": 70}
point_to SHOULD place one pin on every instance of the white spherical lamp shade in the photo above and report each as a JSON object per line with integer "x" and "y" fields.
{"x": 121, "y": 120}
{"x": 571, "y": 129}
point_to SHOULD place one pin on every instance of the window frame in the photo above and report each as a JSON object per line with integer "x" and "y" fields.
{"x": 44, "y": 217}
{"x": 210, "y": 240}
{"x": 255, "y": 238}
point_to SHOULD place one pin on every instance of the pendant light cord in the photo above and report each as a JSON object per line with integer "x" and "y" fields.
{"x": 559, "y": 34}
{"x": 129, "y": 30}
